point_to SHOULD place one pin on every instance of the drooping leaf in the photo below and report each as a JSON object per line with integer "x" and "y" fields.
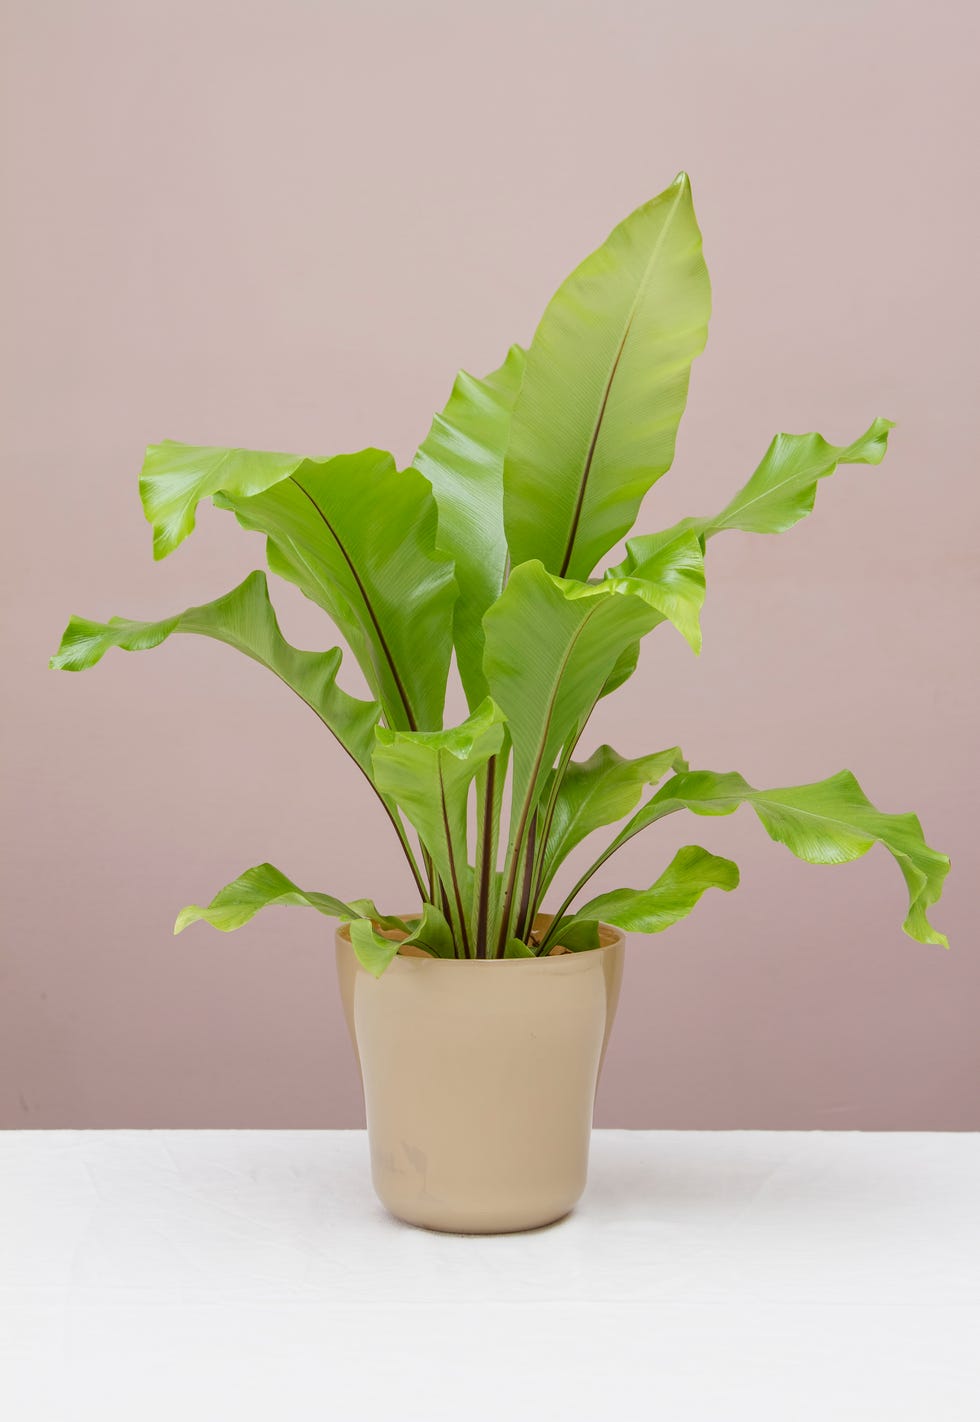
{"x": 828, "y": 822}
{"x": 432, "y": 933}
{"x": 256, "y": 889}
{"x": 605, "y": 386}
{"x": 355, "y": 535}
{"x": 176, "y": 477}
{"x": 672, "y": 581}
{"x": 429, "y": 774}
{"x": 597, "y": 792}
{"x": 367, "y": 908}
{"x": 244, "y": 619}
{"x": 372, "y": 949}
{"x": 780, "y": 493}
{"x": 462, "y": 457}
{"x": 690, "y": 873}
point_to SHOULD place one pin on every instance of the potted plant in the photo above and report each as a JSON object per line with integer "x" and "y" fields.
{"x": 479, "y": 1019}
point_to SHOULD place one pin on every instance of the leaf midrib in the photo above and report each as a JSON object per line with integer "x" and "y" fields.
{"x": 637, "y": 299}
{"x": 379, "y": 634}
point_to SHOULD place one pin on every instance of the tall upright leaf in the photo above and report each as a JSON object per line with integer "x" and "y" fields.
{"x": 551, "y": 644}
{"x": 462, "y": 457}
{"x": 356, "y": 536}
{"x": 604, "y": 388}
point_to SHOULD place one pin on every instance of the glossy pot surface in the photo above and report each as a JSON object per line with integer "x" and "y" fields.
{"x": 480, "y": 1079}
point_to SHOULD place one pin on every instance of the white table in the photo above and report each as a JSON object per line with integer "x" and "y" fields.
{"x": 200, "y": 1276}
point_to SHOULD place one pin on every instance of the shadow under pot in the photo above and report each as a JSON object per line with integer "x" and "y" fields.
{"x": 479, "y": 1080}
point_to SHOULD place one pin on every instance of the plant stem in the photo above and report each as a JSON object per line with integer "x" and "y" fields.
{"x": 621, "y": 839}
{"x": 539, "y": 869}
{"x": 485, "y": 845}
{"x": 460, "y": 912}
{"x": 523, "y": 913}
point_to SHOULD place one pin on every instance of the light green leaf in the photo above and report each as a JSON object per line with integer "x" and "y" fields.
{"x": 463, "y": 459}
{"x": 429, "y": 774}
{"x": 246, "y": 620}
{"x": 514, "y": 948}
{"x": 672, "y": 582}
{"x": 373, "y": 951}
{"x": 605, "y": 386}
{"x": 367, "y": 908}
{"x": 578, "y": 935}
{"x": 432, "y": 933}
{"x": 780, "y": 493}
{"x": 357, "y": 537}
{"x": 597, "y": 792}
{"x": 551, "y": 643}
{"x": 176, "y": 477}
{"x": 690, "y": 873}
{"x": 257, "y": 889}
{"x": 829, "y": 822}
{"x": 625, "y": 666}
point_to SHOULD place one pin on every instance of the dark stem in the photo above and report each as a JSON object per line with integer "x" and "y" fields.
{"x": 621, "y": 839}
{"x": 523, "y": 912}
{"x": 457, "y": 895}
{"x": 382, "y": 641}
{"x": 484, "y": 867}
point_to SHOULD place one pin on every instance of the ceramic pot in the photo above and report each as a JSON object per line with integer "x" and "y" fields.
{"x": 479, "y": 1080}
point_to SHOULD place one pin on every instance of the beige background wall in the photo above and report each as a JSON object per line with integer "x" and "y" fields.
{"x": 285, "y": 225}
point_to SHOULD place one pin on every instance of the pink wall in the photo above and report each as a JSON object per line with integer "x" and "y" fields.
{"x": 285, "y": 225}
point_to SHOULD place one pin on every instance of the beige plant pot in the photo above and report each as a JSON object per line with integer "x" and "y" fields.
{"x": 480, "y": 1079}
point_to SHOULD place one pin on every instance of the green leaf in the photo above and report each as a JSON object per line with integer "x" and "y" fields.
{"x": 429, "y": 774}
{"x": 604, "y": 388}
{"x": 672, "y": 582}
{"x": 372, "y": 949}
{"x": 551, "y": 643}
{"x": 244, "y": 619}
{"x": 829, "y": 822}
{"x": 626, "y": 665}
{"x": 597, "y": 792}
{"x": 257, "y": 889}
{"x": 176, "y": 477}
{"x": 358, "y": 538}
{"x": 432, "y": 933}
{"x": 463, "y": 459}
{"x": 367, "y": 908}
{"x": 578, "y": 935}
{"x": 784, "y": 487}
{"x": 780, "y": 493}
{"x": 514, "y": 948}
{"x": 690, "y": 873}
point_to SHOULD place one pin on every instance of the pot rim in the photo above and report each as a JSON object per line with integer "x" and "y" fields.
{"x": 609, "y": 937}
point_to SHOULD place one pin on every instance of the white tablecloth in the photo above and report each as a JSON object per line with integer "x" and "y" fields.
{"x": 200, "y": 1276}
